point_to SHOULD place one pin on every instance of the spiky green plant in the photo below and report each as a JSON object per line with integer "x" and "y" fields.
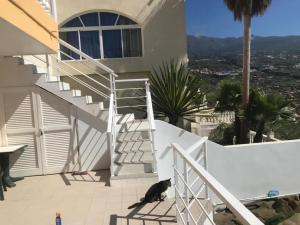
{"x": 175, "y": 94}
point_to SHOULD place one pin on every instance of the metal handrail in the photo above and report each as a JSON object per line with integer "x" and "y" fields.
{"x": 150, "y": 107}
{"x": 82, "y": 62}
{"x": 151, "y": 121}
{"x": 73, "y": 78}
{"x": 132, "y": 80}
{"x": 83, "y": 74}
{"x": 82, "y": 54}
{"x": 111, "y": 132}
{"x": 236, "y": 207}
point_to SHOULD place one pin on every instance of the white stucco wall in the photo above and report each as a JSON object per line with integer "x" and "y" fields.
{"x": 162, "y": 23}
{"x": 92, "y": 141}
{"x": 247, "y": 171}
{"x": 90, "y": 130}
{"x": 164, "y": 136}
{"x": 250, "y": 171}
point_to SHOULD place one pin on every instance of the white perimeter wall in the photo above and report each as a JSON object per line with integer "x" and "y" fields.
{"x": 247, "y": 171}
{"x": 164, "y": 136}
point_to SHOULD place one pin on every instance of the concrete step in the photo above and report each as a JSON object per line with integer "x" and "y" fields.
{"x": 55, "y": 86}
{"x": 138, "y": 157}
{"x": 133, "y": 136}
{"x": 132, "y": 169}
{"x": 149, "y": 177}
{"x": 133, "y": 146}
{"x": 53, "y": 78}
{"x": 121, "y": 119}
{"x": 76, "y": 93}
{"x": 64, "y": 86}
{"x": 89, "y": 99}
{"x": 134, "y": 126}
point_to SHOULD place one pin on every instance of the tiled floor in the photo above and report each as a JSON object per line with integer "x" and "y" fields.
{"x": 82, "y": 200}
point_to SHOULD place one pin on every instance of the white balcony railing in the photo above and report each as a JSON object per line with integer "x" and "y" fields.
{"x": 194, "y": 186}
{"x": 214, "y": 118}
{"x": 265, "y": 138}
{"x": 46, "y": 4}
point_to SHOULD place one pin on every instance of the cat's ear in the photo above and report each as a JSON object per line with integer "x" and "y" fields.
{"x": 169, "y": 179}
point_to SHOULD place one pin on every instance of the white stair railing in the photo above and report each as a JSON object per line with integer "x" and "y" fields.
{"x": 193, "y": 187}
{"x": 111, "y": 132}
{"x": 144, "y": 104}
{"x": 88, "y": 68}
{"x": 151, "y": 121}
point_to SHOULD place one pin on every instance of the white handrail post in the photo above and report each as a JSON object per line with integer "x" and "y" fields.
{"x": 175, "y": 178}
{"x": 47, "y": 66}
{"x": 186, "y": 193}
{"x": 206, "y": 168}
{"x": 151, "y": 126}
{"x": 115, "y": 93}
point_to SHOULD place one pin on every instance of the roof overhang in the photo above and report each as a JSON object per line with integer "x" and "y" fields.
{"x": 26, "y": 29}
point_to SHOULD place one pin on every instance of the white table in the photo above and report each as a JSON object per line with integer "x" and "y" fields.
{"x": 11, "y": 148}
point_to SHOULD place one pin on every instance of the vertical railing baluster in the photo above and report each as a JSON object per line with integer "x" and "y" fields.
{"x": 47, "y": 66}
{"x": 186, "y": 193}
{"x": 175, "y": 179}
{"x": 206, "y": 168}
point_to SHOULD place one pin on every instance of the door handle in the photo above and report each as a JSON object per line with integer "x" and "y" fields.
{"x": 41, "y": 133}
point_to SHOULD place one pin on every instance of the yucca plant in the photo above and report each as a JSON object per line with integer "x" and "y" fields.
{"x": 175, "y": 93}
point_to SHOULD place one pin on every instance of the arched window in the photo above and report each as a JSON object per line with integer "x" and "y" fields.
{"x": 102, "y": 35}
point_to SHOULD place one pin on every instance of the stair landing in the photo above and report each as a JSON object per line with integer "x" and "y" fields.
{"x": 83, "y": 200}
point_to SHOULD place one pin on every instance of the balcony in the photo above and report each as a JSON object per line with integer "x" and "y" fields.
{"x": 26, "y": 28}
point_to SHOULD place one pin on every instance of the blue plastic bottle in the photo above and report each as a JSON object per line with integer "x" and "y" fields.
{"x": 58, "y": 218}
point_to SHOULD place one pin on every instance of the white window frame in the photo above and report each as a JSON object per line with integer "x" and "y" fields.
{"x": 100, "y": 29}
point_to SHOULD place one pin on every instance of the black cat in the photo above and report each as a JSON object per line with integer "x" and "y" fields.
{"x": 154, "y": 193}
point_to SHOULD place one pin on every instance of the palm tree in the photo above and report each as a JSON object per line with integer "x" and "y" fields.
{"x": 267, "y": 108}
{"x": 229, "y": 99}
{"x": 175, "y": 94}
{"x": 245, "y": 10}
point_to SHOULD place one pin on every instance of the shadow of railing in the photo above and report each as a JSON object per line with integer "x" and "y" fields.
{"x": 145, "y": 217}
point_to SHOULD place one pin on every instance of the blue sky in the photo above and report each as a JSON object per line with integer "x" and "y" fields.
{"x": 212, "y": 18}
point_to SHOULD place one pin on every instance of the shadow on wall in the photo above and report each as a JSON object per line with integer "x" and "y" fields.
{"x": 164, "y": 136}
{"x": 92, "y": 141}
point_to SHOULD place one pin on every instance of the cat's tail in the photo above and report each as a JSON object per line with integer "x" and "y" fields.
{"x": 136, "y": 205}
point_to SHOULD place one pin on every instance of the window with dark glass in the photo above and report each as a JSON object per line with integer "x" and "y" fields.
{"x": 90, "y": 43}
{"x": 112, "y": 43}
{"x": 132, "y": 42}
{"x": 102, "y": 35}
{"x": 72, "y": 39}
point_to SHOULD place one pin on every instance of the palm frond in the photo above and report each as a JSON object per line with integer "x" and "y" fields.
{"x": 240, "y": 8}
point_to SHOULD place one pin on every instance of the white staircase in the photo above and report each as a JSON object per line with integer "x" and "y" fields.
{"x": 133, "y": 154}
{"x": 133, "y": 150}
{"x": 130, "y": 140}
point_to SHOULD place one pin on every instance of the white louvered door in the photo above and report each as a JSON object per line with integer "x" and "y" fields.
{"x": 58, "y": 134}
{"x": 19, "y": 125}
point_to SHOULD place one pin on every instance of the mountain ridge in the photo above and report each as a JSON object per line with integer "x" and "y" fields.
{"x": 203, "y": 46}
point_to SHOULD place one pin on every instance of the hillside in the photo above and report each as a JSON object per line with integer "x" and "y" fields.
{"x": 203, "y": 46}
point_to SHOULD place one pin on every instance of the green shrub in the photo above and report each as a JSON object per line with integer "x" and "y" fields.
{"x": 223, "y": 134}
{"x": 278, "y": 218}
